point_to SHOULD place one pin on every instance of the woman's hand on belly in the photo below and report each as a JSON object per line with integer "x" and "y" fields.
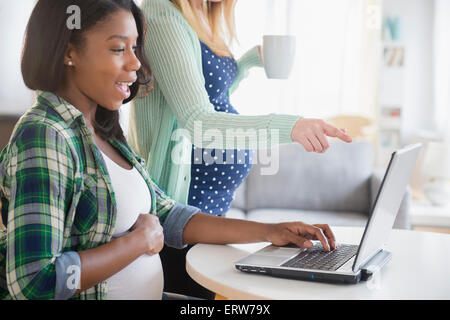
{"x": 150, "y": 231}
{"x": 102, "y": 262}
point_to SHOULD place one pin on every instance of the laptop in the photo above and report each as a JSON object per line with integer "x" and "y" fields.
{"x": 347, "y": 263}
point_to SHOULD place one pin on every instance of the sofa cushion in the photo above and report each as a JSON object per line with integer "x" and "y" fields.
{"x": 333, "y": 218}
{"x": 337, "y": 180}
{"x": 239, "y": 197}
{"x": 235, "y": 213}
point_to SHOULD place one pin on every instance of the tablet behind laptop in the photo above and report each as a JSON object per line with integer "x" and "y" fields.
{"x": 348, "y": 263}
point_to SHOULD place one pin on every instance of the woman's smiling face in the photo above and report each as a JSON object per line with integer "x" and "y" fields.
{"x": 105, "y": 65}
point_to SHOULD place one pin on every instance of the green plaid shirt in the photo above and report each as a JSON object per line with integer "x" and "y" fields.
{"x": 56, "y": 196}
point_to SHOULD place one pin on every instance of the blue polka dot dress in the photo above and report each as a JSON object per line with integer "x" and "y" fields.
{"x": 216, "y": 173}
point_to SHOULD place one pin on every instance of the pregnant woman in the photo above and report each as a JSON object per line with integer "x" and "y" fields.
{"x": 84, "y": 219}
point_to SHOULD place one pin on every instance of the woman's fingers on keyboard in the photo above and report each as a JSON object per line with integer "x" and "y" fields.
{"x": 301, "y": 233}
{"x": 318, "y": 234}
{"x": 329, "y": 234}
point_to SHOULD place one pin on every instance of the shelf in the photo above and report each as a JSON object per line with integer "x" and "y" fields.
{"x": 390, "y": 125}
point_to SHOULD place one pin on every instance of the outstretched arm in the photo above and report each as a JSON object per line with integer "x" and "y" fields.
{"x": 204, "y": 228}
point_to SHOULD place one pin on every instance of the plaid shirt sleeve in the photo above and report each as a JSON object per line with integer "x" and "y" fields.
{"x": 41, "y": 174}
{"x": 163, "y": 203}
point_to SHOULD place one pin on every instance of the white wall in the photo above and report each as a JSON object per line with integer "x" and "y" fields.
{"x": 417, "y": 35}
{"x": 442, "y": 67}
{"x": 15, "y": 98}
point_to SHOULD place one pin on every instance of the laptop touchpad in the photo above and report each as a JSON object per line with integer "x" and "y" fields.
{"x": 271, "y": 256}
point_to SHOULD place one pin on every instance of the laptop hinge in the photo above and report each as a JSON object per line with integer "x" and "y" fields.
{"x": 375, "y": 264}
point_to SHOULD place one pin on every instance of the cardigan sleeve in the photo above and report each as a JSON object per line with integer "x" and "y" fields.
{"x": 176, "y": 65}
{"x": 248, "y": 60}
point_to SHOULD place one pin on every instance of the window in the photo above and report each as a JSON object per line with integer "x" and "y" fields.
{"x": 337, "y": 57}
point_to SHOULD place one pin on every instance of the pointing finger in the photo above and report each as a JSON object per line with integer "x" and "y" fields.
{"x": 336, "y": 133}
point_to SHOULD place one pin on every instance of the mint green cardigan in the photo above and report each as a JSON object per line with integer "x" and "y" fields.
{"x": 179, "y": 100}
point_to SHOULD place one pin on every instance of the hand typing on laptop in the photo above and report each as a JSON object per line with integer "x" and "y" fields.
{"x": 300, "y": 234}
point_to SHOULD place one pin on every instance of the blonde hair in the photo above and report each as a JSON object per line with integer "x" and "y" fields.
{"x": 221, "y": 21}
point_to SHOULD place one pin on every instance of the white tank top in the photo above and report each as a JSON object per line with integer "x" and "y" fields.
{"x": 143, "y": 278}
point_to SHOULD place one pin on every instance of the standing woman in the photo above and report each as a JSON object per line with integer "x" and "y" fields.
{"x": 195, "y": 73}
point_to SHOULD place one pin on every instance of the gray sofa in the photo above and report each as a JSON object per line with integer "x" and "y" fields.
{"x": 337, "y": 187}
{"x": 7, "y": 123}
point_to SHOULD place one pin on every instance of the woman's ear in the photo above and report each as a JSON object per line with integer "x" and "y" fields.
{"x": 70, "y": 56}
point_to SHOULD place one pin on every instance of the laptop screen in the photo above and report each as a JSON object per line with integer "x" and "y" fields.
{"x": 387, "y": 203}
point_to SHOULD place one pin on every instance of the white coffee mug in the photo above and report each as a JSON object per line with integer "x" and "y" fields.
{"x": 278, "y": 55}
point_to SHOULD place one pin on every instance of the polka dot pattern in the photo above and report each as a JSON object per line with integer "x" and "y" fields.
{"x": 217, "y": 173}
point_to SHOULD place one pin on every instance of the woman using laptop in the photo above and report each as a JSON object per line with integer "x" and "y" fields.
{"x": 84, "y": 219}
{"x": 195, "y": 73}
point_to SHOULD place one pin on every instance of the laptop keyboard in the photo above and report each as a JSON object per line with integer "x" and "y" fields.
{"x": 317, "y": 258}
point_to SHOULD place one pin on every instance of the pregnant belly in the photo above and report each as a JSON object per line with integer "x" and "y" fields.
{"x": 141, "y": 280}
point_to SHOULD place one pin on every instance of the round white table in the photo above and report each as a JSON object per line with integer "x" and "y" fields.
{"x": 418, "y": 270}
